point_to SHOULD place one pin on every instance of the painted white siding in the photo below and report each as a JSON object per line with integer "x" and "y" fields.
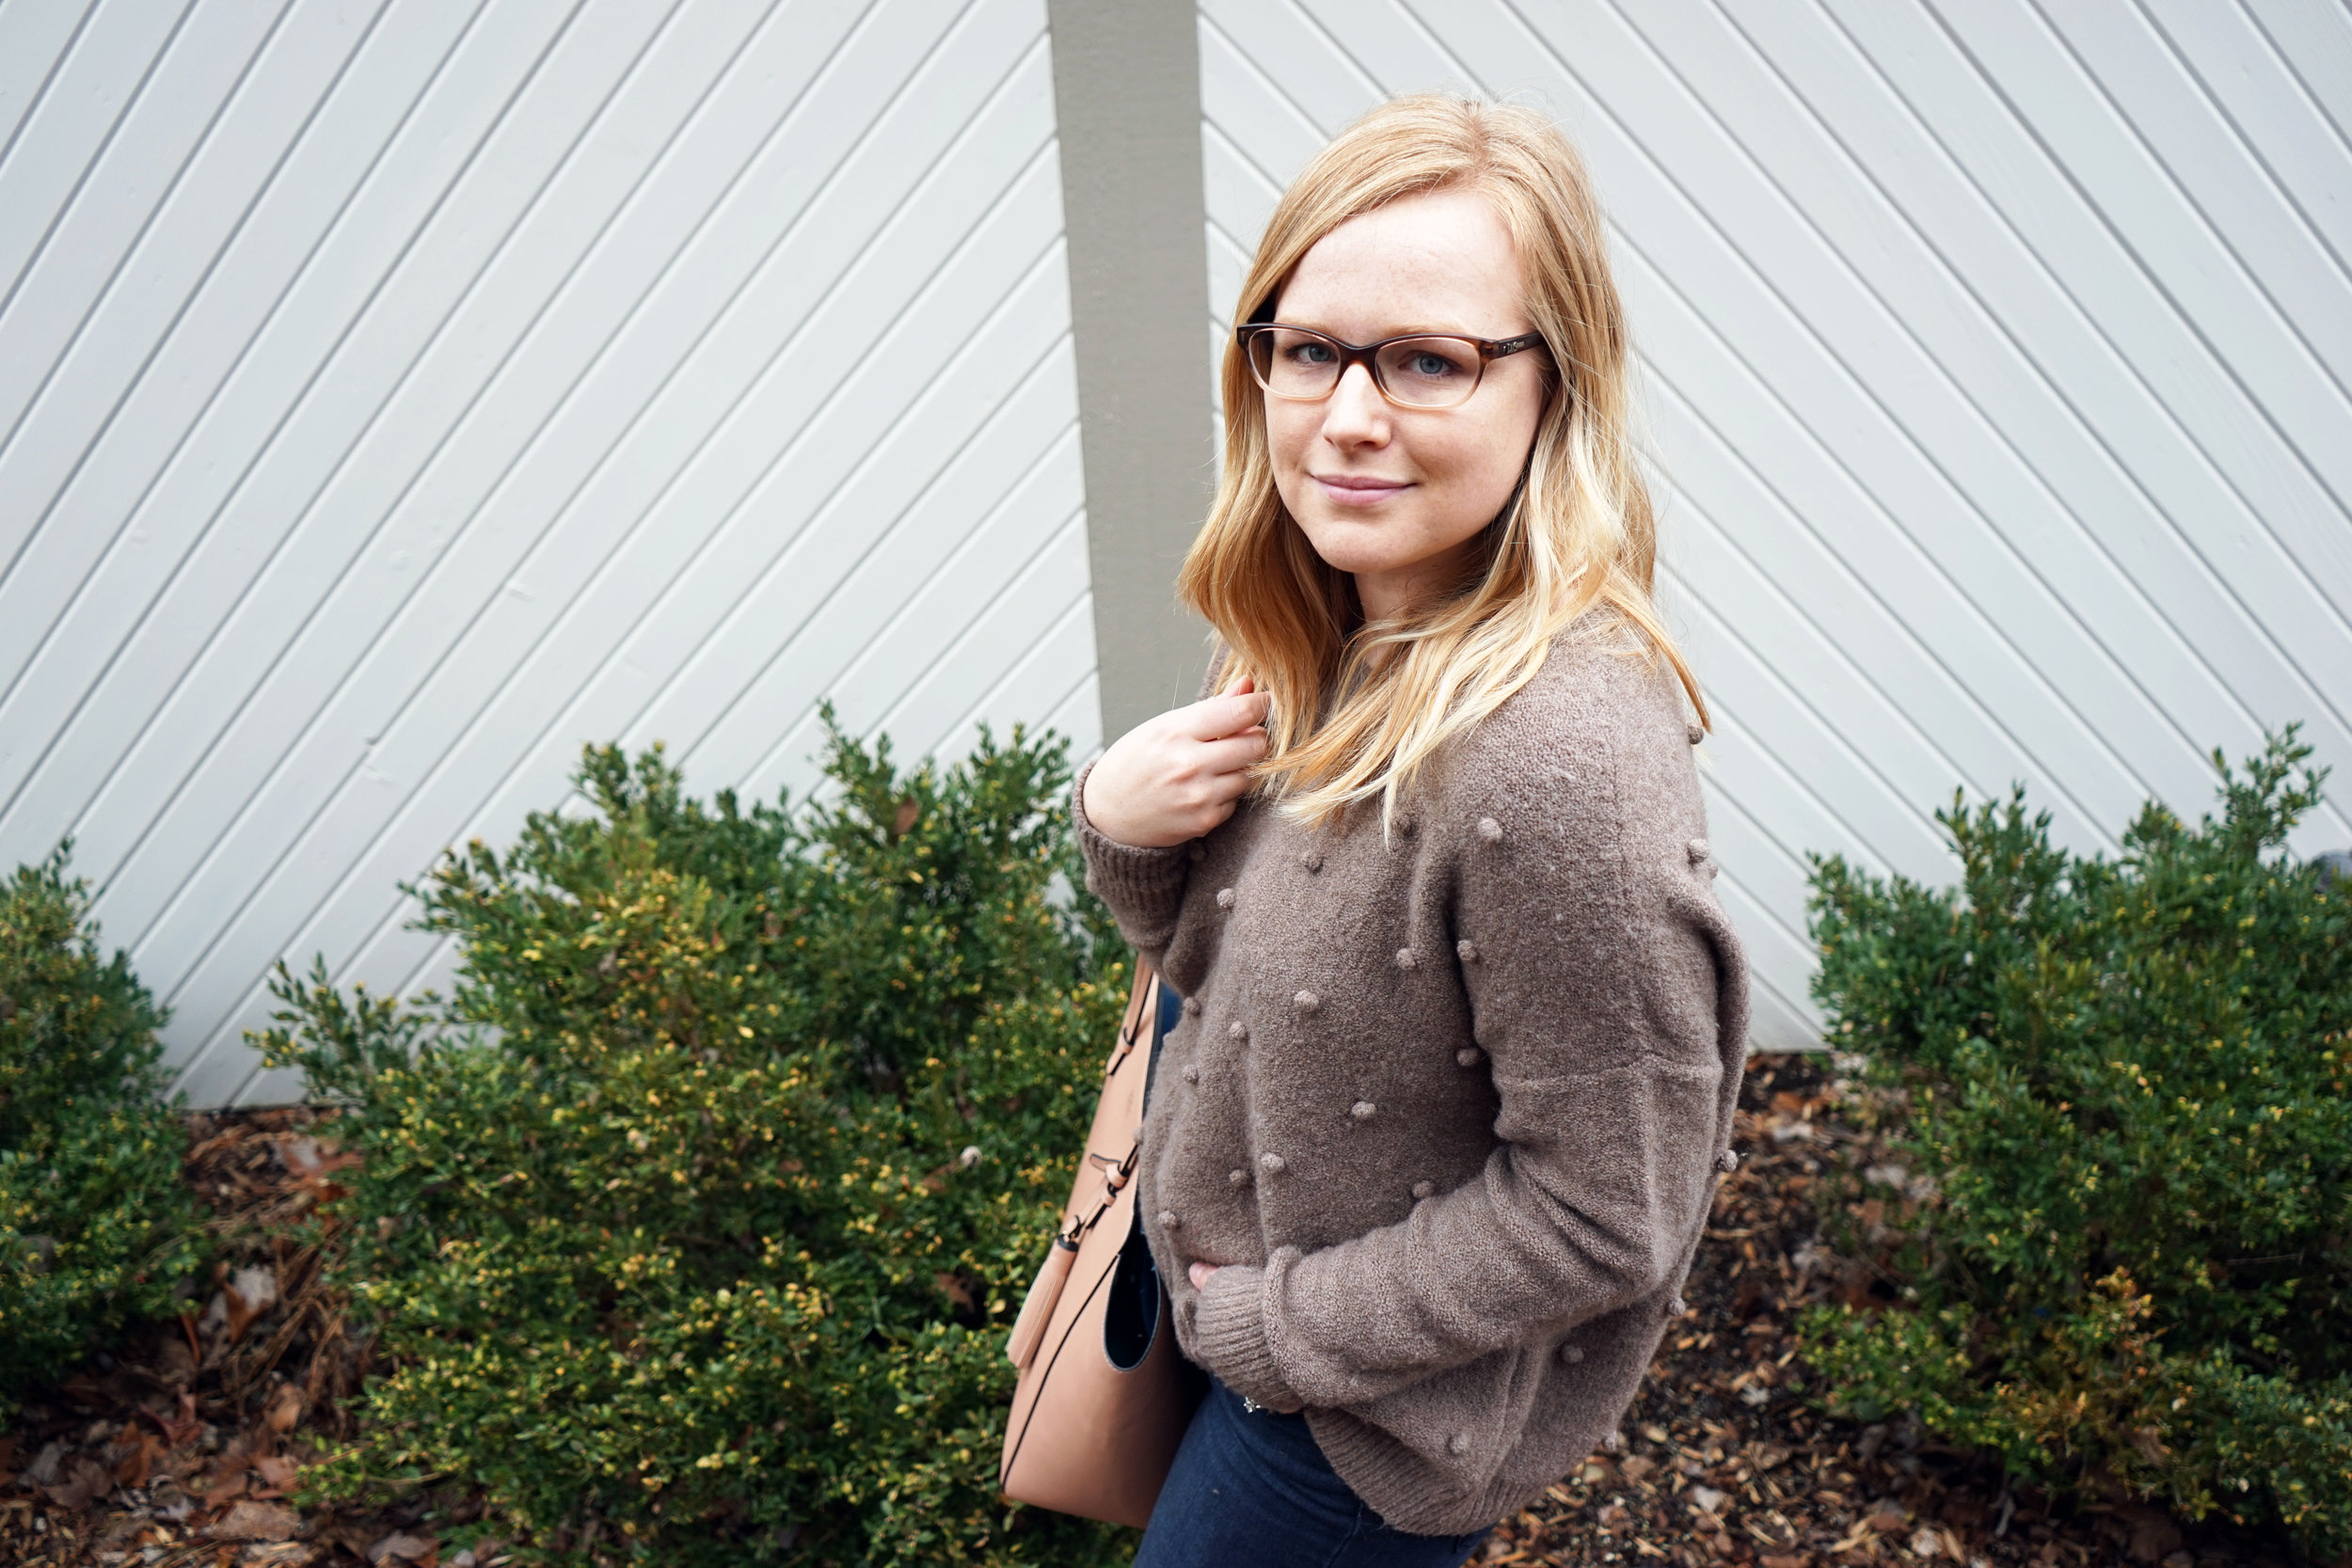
{"x": 1998, "y": 357}
{"x": 394, "y": 398}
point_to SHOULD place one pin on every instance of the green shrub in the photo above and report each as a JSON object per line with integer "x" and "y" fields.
{"x": 691, "y": 1224}
{"x": 2127, "y": 1081}
{"x": 95, "y": 1228}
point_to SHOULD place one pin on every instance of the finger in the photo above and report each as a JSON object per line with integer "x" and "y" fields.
{"x": 1232, "y": 752}
{"x": 1216, "y": 793}
{"x": 1232, "y": 711}
{"x": 1214, "y": 718}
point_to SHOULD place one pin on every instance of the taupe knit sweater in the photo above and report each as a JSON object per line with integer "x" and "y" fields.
{"x": 1448, "y": 1108}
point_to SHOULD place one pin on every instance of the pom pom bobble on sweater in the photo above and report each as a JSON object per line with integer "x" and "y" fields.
{"x": 1448, "y": 1109}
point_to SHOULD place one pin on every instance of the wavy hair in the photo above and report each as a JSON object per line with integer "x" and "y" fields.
{"x": 1358, "y": 711}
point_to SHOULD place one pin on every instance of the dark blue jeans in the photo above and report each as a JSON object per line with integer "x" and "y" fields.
{"x": 1251, "y": 1489}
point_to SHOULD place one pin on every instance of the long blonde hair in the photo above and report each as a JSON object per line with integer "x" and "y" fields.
{"x": 1349, "y": 721}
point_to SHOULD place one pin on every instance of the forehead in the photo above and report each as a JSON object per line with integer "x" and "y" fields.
{"x": 1438, "y": 263}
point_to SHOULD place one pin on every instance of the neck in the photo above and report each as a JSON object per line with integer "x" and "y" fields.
{"x": 1381, "y": 595}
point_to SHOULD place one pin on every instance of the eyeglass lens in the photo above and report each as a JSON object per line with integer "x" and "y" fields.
{"x": 1424, "y": 373}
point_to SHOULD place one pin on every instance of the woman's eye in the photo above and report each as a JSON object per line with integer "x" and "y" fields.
{"x": 1312, "y": 354}
{"x": 1432, "y": 366}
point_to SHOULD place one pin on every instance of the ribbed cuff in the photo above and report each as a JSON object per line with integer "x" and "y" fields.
{"x": 1132, "y": 879}
{"x": 1229, "y": 1329}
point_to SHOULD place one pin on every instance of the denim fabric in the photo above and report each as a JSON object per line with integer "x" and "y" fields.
{"x": 1172, "y": 1009}
{"x": 1251, "y": 1489}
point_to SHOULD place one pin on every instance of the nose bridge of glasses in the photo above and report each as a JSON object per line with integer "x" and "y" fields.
{"x": 1350, "y": 401}
{"x": 1371, "y": 385}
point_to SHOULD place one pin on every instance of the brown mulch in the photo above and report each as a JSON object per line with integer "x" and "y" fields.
{"x": 183, "y": 1449}
{"x": 1721, "y": 1460}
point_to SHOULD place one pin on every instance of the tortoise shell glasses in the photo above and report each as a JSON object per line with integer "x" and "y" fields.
{"x": 1418, "y": 370}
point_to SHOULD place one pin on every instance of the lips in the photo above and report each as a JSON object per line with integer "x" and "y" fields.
{"x": 1359, "y": 489}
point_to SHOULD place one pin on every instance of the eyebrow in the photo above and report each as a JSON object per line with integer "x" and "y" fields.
{"x": 1402, "y": 331}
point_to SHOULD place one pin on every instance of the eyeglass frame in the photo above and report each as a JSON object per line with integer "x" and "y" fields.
{"x": 1489, "y": 350}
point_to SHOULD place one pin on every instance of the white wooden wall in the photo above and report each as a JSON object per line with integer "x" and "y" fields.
{"x": 2000, "y": 359}
{"x": 395, "y": 397}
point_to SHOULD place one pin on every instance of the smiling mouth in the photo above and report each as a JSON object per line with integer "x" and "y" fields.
{"x": 1357, "y": 489}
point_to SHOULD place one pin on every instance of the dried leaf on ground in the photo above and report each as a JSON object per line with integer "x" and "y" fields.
{"x": 80, "y": 1481}
{"x": 422, "y": 1551}
{"x": 255, "y": 1521}
{"x": 285, "y": 1408}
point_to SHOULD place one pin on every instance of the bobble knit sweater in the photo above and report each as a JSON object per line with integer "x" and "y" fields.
{"x": 1447, "y": 1108}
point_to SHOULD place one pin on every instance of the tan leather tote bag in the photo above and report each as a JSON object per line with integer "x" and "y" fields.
{"x": 1102, "y": 1398}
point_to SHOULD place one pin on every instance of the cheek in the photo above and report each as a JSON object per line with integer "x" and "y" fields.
{"x": 1505, "y": 462}
{"x": 1481, "y": 465}
{"x": 1502, "y": 450}
{"x": 1287, "y": 439}
{"x": 1288, "y": 430}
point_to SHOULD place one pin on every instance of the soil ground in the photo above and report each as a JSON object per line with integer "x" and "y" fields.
{"x": 183, "y": 1448}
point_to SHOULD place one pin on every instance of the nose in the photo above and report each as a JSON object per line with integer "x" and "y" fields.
{"x": 1356, "y": 413}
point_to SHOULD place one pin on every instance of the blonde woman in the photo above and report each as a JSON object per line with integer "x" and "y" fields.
{"x": 1431, "y": 1148}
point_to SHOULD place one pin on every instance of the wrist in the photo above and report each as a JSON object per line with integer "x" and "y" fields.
{"x": 1230, "y": 1329}
{"x": 1115, "y": 829}
{"x": 1103, "y": 851}
{"x": 1090, "y": 805}
{"x": 1087, "y": 800}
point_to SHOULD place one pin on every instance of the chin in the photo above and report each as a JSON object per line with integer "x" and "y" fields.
{"x": 1355, "y": 562}
{"x": 1361, "y": 543}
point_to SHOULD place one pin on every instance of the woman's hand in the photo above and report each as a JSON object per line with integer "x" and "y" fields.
{"x": 1201, "y": 1272}
{"x": 1175, "y": 777}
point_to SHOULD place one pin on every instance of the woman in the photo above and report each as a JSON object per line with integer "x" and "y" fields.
{"x": 1431, "y": 1148}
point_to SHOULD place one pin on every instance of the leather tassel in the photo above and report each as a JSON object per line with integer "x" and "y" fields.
{"x": 1038, "y": 1307}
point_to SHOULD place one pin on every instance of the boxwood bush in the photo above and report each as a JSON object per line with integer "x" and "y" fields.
{"x": 95, "y": 1228}
{"x": 691, "y": 1224}
{"x": 2127, "y": 1082}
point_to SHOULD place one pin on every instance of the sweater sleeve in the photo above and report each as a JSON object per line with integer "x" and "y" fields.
{"x": 1609, "y": 995}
